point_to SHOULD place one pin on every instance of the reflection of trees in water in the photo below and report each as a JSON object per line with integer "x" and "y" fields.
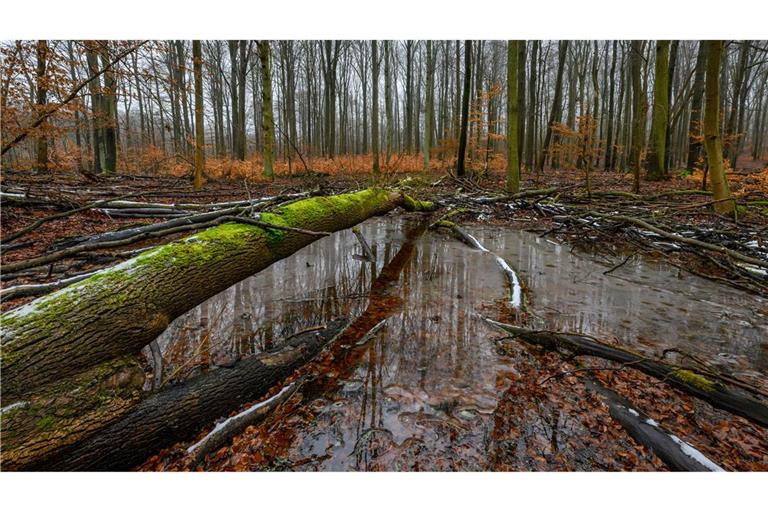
{"x": 317, "y": 284}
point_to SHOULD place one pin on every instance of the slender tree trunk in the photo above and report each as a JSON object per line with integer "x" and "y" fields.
{"x": 668, "y": 162}
{"x": 388, "y": 99}
{"x": 375, "y": 106}
{"x": 513, "y": 159}
{"x": 97, "y": 114}
{"x": 530, "y": 134}
{"x": 638, "y": 113}
{"x": 694, "y": 125}
{"x": 41, "y": 51}
{"x": 556, "y": 105}
{"x": 712, "y": 139}
{"x": 465, "y": 107}
{"x": 197, "y": 64}
{"x": 429, "y": 109}
{"x": 268, "y": 126}
{"x": 609, "y": 142}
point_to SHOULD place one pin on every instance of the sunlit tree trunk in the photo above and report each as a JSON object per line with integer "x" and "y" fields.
{"x": 712, "y": 139}
{"x": 660, "y": 115}
{"x": 513, "y": 160}
{"x": 465, "y": 107}
{"x": 268, "y": 126}
{"x": 197, "y": 64}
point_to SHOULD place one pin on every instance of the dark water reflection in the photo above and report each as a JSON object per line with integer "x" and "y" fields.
{"x": 422, "y": 392}
{"x": 648, "y": 304}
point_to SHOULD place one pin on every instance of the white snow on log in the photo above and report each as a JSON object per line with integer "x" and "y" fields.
{"x": 517, "y": 290}
{"x": 249, "y": 410}
{"x": 696, "y": 454}
{"x": 633, "y": 412}
{"x": 651, "y": 422}
{"x": 753, "y": 268}
{"x": 13, "y": 406}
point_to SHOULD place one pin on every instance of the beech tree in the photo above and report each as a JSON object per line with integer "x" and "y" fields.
{"x": 268, "y": 126}
{"x": 197, "y": 63}
{"x": 513, "y": 161}
{"x": 656, "y": 157}
{"x": 712, "y": 138}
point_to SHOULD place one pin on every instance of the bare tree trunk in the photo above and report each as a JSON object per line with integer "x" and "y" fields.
{"x": 513, "y": 160}
{"x": 41, "y": 51}
{"x": 638, "y": 112}
{"x": 694, "y": 125}
{"x": 375, "y": 107}
{"x": 197, "y": 63}
{"x": 660, "y": 115}
{"x": 465, "y": 107}
{"x": 712, "y": 139}
{"x": 556, "y": 105}
{"x": 268, "y": 126}
{"x": 429, "y": 109}
{"x": 530, "y": 134}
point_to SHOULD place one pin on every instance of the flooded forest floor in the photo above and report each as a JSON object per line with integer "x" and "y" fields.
{"x": 432, "y": 386}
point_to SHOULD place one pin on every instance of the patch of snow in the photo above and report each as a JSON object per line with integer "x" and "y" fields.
{"x": 651, "y": 422}
{"x": 696, "y": 454}
{"x": 517, "y": 290}
{"x": 753, "y": 268}
{"x": 13, "y": 406}
{"x": 633, "y": 412}
{"x": 477, "y": 243}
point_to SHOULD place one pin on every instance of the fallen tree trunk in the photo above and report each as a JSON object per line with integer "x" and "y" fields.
{"x": 119, "y": 310}
{"x": 674, "y": 452}
{"x": 711, "y": 391}
{"x": 180, "y": 412}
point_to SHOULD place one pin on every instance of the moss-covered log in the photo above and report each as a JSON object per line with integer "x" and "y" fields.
{"x": 65, "y": 412}
{"x": 180, "y": 412}
{"x": 119, "y": 310}
{"x": 711, "y": 390}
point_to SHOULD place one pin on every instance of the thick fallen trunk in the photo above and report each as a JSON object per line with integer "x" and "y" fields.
{"x": 119, "y": 310}
{"x": 712, "y": 391}
{"x": 180, "y": 412}
{"x": 65, "y": 412}
{"x": 674, "y": 452}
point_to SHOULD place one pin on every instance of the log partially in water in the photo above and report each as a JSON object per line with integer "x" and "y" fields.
{"x": 180, "y": 412}
{"x": 119, "y": 310}
{"x": 708, "y": 389}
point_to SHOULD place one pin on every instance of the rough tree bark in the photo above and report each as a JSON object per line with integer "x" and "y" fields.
{"x": 513, "y": 160}
{"x": 712, "y": 138}
{"x": 656, "y": 157}
{"x": 694, "y": 126}
{"x": 197, "y": 65}
{"x": 268, "y": 122}
{"x": 464, "y": 107}
{"x": 55, "y": 336}
{"x": 556, "y": 106}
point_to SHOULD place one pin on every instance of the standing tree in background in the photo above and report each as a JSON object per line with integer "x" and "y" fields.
{"x": 694, "y": 126}
{"x": 513, "y": 157}
{"x": 464, "y": 108}
{"x": 375, "y": 107}
{"x": 97, "y": 114}
{"x": 659, "y": 119}
{"x": 712, "y": 139}
{"x": 388, "y": 100}
{"x": 429, "y": 108}
{"x": 109, "y": 109}
{"x": 267, "y": 119}
{"x": 197, "y": 66}
{"x": 638, "y": 112}
{"x": 532, "y": 88}
{"x": 41, "y": 50}
{"x": 556, "y": 105}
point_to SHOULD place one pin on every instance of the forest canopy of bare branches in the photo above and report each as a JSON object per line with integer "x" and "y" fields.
{"x": 576, "y": 104}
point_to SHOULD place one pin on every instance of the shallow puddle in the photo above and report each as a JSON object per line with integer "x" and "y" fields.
{"x": 420, "y": 394}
